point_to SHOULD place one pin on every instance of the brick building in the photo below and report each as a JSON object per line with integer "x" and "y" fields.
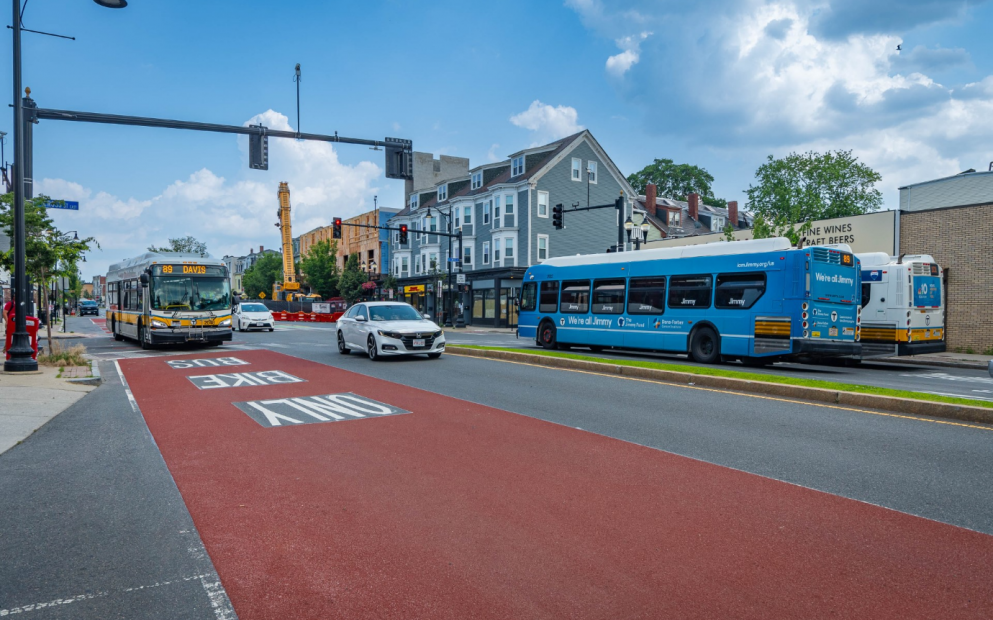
{"x": 371, "y": 245}
{"x": 952, "y": 220}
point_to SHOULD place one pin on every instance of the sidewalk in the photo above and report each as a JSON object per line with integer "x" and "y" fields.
{"x": 471, "y": 329}
{"x": 32, "y": 399}
{"x": 948, "y": 359}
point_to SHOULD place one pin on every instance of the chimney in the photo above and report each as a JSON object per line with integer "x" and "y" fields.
{"x": 261, "y": 249}
{"x": 650, "y": 194}
{"x": 733, "y": 213}
{"x": 694, "y": 203}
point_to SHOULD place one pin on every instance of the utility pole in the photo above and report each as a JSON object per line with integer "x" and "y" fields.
{"x": 296, "y": 78}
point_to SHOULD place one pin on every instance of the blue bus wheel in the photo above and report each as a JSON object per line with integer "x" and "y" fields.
{"x": 705, "y": 348}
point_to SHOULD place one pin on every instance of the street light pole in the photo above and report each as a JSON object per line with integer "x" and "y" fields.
{"x": 21, "y": 359}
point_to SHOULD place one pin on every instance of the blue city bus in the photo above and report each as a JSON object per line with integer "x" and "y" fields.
{"x": 756, "y": 301}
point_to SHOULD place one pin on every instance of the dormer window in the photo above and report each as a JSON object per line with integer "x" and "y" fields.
{"x": 673, "y": 218}
{"x": 413, "y": 201}
{"x": 477, "y": 180}
{"x": 517, "y": 166}
{"x": 443, "y": 192}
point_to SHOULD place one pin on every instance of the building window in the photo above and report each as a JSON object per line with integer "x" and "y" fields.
{"x": 467, "y": 215}
{"x": 458, "y": 212}
{"x": 510, "y": 248}
{"x": 497, "y": 200}
{"x": 716, "y": 224}
{"x": 404, "y": 266}
{"x": 417, "y": 264}
{"x": 477, "y": 180}
{"x": 486, "y": 211}
{"x": 413, "y": 201}
{"x": 674, "y": 218}
{"x": 486, "y": 252}
{"x": 423, "y": 228}
{"x": 542, "y": 247}
{"x": 517, "y": 166}
{"x": 591, "y": 171}
{"x": 542, "y": 204}
{"x": 467, "y": 255}
{"x": 433, "y": 223}
{"x": 443, "y": 192}
{"x": 508, "y": 205}
{"x": 496, "y": 253}
{"x": 434, "y": 261}
{"x": 577, "y": 169}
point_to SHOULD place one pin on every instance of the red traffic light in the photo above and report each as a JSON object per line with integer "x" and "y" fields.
{"x": 403, "y": 228}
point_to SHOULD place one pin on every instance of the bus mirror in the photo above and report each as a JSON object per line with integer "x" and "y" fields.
{"x": 144, "y": 279}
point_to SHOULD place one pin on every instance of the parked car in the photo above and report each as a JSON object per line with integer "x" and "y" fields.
{"x": 252, "y": 315}
{"x": 88, "y": 306}
{"x": 386, "y": 328}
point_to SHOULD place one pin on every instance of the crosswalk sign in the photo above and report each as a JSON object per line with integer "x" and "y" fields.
{"x": 261, "y": 295}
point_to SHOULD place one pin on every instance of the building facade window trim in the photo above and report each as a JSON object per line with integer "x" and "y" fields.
{"x": 591, "y": 171}
{"x": 577, "y": 169}
{"x": 543, "y": 204}
{"x": 517, "y": 166}
{"x": 542, "y": 248}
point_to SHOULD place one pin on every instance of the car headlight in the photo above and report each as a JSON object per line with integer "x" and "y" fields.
{"x": 225, "y": 323}
{"x": 438, "y": 333}
{"x": 389, "y": 334}
{"x": 157, "y": 323}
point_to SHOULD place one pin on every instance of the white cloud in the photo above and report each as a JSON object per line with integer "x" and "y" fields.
{"x": 548, "y": 123}
{"x": 619, "y": 64}
{"x": 230, "y": 215}
{"x": 491, "y": 154}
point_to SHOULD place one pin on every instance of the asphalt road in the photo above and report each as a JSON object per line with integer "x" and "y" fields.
{"x": 929, "y": 468}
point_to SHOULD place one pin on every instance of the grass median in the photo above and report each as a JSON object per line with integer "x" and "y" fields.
{"x": 718, "y": 371}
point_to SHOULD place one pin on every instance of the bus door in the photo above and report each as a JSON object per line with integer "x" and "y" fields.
{"x": 645, "y": 323}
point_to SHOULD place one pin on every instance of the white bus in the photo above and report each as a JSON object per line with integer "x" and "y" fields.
{"x": 169, "y": 297}
{"x": 903, "y": 308}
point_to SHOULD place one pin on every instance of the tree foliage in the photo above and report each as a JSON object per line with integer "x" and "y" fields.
{"x": 728, "y": 231}
{"x": 182, "y": 244}
{"x": 49, "y": 253}
{"x": 260, "y": 277}
{"x": 320, "y": 267}
{"x": 800, "y": 188}
{"x": 676, "y": 181}
{"x": 351, "y": 280}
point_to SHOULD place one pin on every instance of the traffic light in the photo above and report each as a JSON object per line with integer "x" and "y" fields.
{"x": 336, "y": 228}
{"x": 557, "y": 216}
{"x": 403, "y": 233}
{"x": 399, "y": 158}
{"x": 258, "y": 150}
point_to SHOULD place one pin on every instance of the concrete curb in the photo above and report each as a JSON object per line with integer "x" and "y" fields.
{"x": 853, "y": 399}
{"x": 96, "y": 379}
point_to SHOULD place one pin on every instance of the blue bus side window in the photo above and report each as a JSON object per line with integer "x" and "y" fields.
{"x": 575, "y": 297}
{"x": 549, "y": 300}
{"x": 646, "y": 296}
{"x": 529, "y": 296}
{"x": 739, "y": 290}
{"x": 608, "y": 296}
{"x": 690, "y": 292}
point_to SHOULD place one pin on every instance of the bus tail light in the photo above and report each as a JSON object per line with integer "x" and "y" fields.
{"x": 858, "y": 320}
{"x": 804, "y": 305}
{"x": 805, "y": 325}
{"x": 804, "y": 315}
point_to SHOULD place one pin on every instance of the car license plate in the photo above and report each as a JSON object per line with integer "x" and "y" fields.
{"x": 419, "y": 342}
{"x": 833, "y": 331}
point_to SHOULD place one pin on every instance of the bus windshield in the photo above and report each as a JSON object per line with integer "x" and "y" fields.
{"x": 186, "y": 293}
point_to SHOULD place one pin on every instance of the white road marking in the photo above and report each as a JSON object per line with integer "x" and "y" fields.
{"x": 947, "y": 377}
{"x": 965, "y": 396}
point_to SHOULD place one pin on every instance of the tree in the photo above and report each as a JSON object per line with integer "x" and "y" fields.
{"x": 351, "y": 280}
{"x": 389, "y": 282}
{"x": 676, "y": 181}
{"x": 260, "y": 277}
{"x": 49, "y": 253}
{"x": 183, "y": 244}
{"x": 729, "y": 232}
{"x": 798, "y": 189}
{"x": 320, "y": 266}
{"x": 761, "y": 229}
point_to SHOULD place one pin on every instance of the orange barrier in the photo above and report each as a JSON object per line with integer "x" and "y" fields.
{"x": 314, "y": 317}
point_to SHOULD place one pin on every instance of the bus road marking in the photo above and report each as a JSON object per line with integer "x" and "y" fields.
{"x": 314, "y": 409}
{"x": 239, "y": 379}
{"x": 207, "y": 361}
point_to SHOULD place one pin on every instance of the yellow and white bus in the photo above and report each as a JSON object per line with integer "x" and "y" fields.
{"x": 169, "y": 297}
{"x": 903, "y": 306}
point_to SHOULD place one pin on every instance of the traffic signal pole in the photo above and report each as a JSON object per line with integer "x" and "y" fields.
{"x": 559, "y": 219}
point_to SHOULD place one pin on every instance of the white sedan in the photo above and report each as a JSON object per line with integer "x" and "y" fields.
{"x": 253, "y": 315}
{"x": 382, "y": 328}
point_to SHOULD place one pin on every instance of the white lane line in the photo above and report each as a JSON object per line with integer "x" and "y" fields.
{"x": 965, "y": 396}
{"x": 92, "y": 595}
{"x": 211, "y": 581}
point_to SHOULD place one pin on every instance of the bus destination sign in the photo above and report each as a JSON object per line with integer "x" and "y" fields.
{"x": 189, "y": 270}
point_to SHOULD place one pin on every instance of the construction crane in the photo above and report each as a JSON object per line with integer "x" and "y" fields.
{"x": 289, "y": 289}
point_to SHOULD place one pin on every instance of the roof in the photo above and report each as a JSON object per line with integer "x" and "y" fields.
{"x": 753, "y": 246}
{"x": 745, "y": 219}
{"x": 954, "y": 177}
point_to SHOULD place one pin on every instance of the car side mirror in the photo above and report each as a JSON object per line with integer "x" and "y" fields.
{"x": 426, "y": 316}
{"x": 361, "y": 319}
{"x": 144, "y": 279}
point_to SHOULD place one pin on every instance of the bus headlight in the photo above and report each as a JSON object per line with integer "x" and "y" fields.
{"x": 158, "y": 323}
{"x": 225, "y": 323}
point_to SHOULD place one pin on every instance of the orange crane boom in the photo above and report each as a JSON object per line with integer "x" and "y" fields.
{"x": 290, "y": 283}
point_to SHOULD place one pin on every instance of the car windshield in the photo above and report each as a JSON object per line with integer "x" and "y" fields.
{"x": 88, "y": 303}
{"x": 184, "y": 293}
{"x": 253, "y": 308}
{"x": 395, "y": 312}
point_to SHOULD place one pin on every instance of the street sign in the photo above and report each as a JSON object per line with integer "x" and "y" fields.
{"x": 453, "y": 259}
{"x": 71, "y": 205}
{"x": 460, "y": 278}
{"x": 261, "y": 295}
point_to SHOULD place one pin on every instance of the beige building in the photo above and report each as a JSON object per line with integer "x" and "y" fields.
{"x": 369, "y": 243}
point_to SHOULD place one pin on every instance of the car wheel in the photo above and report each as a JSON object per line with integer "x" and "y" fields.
{"x": 344, "y": 350}
{"x": 705, "y": 348}
{"x": 546, "y": 335}
{"x": 434, "y": 356}
{"x": 372, "y": 348}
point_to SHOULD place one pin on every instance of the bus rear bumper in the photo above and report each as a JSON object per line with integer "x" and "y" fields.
{"x": 826, "y": 348}
{"x": 919, "y": 348}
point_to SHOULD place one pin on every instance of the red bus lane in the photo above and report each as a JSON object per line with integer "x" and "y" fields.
{"x": 402, "y": 503}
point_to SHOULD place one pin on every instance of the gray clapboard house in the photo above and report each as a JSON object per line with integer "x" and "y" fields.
{"x": 504, "y": 211}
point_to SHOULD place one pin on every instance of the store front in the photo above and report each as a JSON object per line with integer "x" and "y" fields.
{"x": 493, "y": 301}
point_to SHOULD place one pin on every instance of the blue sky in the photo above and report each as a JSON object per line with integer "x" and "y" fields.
{"x": 717, "y": 83}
